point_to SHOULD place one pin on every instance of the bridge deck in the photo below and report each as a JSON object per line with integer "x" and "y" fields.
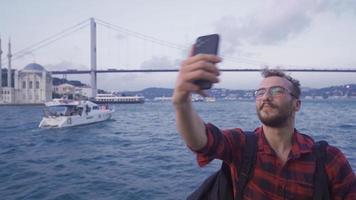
{"x": 176, "y": 70}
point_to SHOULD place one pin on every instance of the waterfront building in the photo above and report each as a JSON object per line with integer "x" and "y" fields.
{"x": 31, "y": 85}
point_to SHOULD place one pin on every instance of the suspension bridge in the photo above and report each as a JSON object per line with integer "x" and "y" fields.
{"x": 93, "y": 71}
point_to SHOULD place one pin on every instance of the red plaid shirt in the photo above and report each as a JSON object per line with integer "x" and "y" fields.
{"x": 272, "y": 179}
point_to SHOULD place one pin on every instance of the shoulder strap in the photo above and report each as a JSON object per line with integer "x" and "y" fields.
{"x": 321, "y": 186}
{"x": 225, "y": 186}
{"x": 247, "y": 163}
{"x": 217, "y": 186}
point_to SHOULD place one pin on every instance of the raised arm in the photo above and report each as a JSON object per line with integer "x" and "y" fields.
{"x": 189, "y": 124}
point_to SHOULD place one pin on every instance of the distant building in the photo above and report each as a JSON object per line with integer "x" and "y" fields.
{"x": 31, "y": 85}
{"x": 72, "y": 91}
{"x": 84, "y": 91}
{"x": 64, "y": 89}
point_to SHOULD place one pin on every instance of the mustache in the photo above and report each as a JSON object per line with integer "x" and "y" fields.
{"x": 269, "y": 104}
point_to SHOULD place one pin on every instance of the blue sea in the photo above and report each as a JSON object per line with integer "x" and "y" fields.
{"x": 138, "y": 154}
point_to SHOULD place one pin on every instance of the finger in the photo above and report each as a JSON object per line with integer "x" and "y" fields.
{"x": 201, "y": 74}
{"x": 203, "y": 65}
{"x": 207, "y": 57}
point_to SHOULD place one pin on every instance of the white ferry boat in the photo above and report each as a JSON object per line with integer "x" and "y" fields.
{"x": 198, "y": 98}
{"x": 163, "y": 98}
{"x": 210, "y": 99}
{"x": 65, "y": 113}
{"x": 112, "y": 98}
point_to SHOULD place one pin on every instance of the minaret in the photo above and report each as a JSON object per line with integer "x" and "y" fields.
{"x": 9, "y": 55}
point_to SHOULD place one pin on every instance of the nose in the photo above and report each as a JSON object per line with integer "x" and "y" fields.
{"x": 266, "y": 95}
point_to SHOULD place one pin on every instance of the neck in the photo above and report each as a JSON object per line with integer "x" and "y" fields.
{"x": 280, "y": 139}
{"x": 277, "y": 137}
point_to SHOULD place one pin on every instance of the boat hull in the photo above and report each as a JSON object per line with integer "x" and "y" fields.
{"x": 76, "y": 120}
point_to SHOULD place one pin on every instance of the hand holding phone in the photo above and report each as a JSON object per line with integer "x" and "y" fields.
{"x": 207, "y": 44}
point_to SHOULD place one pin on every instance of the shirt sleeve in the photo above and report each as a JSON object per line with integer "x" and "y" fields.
{"x": 222, "y": 144}
{"x": 341, "y": 175}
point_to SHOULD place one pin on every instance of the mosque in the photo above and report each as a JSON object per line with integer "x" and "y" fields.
{"x": 30, "y": 85}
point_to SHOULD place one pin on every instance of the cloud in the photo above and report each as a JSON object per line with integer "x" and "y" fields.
{"x": 275, "y": 22}
{"x": 338, "y": 6}
{"x": 137, "y": 81}
{"x": 64, "y": 65}
{"x": 161, "y": 62}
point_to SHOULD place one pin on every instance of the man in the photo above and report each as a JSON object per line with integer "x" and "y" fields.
{"x": 285, "y": 164}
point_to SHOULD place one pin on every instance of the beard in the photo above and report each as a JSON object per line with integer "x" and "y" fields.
{"x": 277, "y": 116}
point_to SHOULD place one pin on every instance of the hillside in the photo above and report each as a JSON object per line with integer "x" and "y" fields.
{"x": 332, "y": 92}
{"x": 342, "y": 91}
{"x": 59, "y": 81}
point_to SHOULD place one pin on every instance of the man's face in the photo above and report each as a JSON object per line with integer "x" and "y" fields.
{"x": 276, "y": 106}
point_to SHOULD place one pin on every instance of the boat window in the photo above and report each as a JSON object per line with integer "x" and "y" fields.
{"x": 95, "y": 108}
{"x": 87, "y": 109}
{"x": 55, "y": 110}
{"x": 60, "y": 111}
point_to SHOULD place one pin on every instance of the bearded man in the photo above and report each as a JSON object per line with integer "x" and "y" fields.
{"x": 285, "y": 162}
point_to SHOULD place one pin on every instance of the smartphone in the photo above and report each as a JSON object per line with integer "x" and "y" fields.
{"x": 207, "y": 44}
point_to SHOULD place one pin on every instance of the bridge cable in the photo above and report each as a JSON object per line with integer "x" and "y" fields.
{"x": 140, "y": 35}
{"x": 50, "y": 39}
{"x": 169, "y": 44}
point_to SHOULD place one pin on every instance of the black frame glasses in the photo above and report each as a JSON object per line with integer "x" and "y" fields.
{"x": 273, "y": 91}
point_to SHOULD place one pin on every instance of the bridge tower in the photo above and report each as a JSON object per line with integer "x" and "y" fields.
{"x": 93, "y": 57}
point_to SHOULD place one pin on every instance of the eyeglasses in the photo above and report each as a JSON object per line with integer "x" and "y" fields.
{"x": 273, "y": 91}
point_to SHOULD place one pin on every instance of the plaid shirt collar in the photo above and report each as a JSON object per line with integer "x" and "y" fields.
{"x": 301, "y": 144}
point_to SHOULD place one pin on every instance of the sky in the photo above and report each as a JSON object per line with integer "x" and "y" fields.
{"x": 139, "y": 34}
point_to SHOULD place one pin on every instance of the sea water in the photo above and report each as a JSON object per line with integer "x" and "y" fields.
{"x": 138, "y": 154}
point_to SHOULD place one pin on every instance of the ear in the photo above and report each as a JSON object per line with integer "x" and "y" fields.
{"x": 298, "y": 104}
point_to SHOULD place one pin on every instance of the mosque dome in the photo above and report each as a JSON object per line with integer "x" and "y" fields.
{"x": 34, "y": 67}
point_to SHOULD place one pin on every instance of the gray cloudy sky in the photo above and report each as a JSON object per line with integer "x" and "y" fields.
{"x": 286, "y": 33}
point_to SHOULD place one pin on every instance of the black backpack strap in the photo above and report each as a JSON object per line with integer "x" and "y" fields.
{"x": 225, "y": 186}
{"x": 247, "y": 163}
{"x": 321, "y": 181}
{"x": 204, "y": 190}
{"x": 217, "y": 186}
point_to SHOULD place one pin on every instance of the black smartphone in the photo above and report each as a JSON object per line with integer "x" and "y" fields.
{"x": 207, "y": 44}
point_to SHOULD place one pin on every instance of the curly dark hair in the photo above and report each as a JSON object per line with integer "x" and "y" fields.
{"x": 296, "y": 91}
